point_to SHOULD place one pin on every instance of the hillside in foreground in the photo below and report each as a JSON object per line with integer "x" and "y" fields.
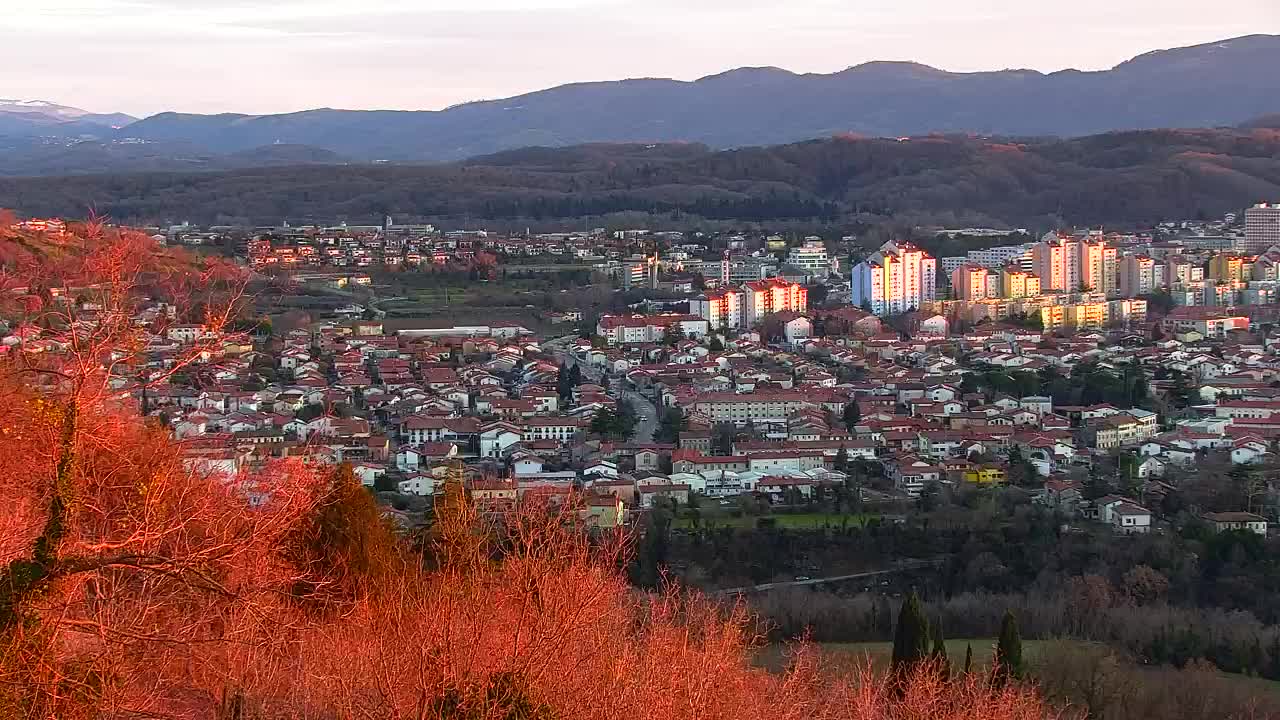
{"x": 1129, "y": 178}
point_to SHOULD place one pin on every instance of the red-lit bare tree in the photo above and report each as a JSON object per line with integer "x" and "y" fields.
{"x": 118, "y": 555}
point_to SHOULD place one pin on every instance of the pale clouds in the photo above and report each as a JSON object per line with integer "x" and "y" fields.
{"x": 143, "y": 56}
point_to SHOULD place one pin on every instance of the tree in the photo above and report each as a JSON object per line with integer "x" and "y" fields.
{"x": 968, "y": 659}
{"x": 1008, "y": 657}
{"x": 939, "y": 654}
{"x": 1021, "y": 472}
{"x": 715, "y": 344}
{"x": 342, "y": 546}
{"x": 842, "y": 459}
{"x": 1095, "y": 486}
{"x": 1143, "y": 584}
{"x": 852, "y": 415}
{"x": 911, "y": 637}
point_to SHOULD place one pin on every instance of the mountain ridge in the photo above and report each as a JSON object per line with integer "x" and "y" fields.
{"x": 1219, "y": 84}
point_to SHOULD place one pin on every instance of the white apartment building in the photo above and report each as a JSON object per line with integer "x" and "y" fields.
{"x": 811, "y": 256}
{"x": 743, "y": 307}
{"x": 722, "y": 309}
{"x": 1261, "y": 227}
{"x": 899, "y": 278}
{"x": 1137, "y": 275}
{"x": 752, "y": 407}
{"x": 634, "y": 329}
{"x": 763, "y": 297}
{"x": 998, "y": 257}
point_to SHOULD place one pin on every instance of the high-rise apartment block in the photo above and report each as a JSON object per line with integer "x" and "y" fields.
{"x": 969, "y": 282}
{"x": 1055, "y": 262}
{"x": 740, "y": 308}
{"x": 1226, "y": 268}
{"x": 1261, "y": 227}
{"x": 1065, "y": 263}
{"x": 900, "y": 277}
{"x": 1137, "y": 275}
{"x": 1015, "y": 283}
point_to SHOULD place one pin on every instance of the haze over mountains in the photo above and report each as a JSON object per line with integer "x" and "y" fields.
{"x": 1217, "y": 84}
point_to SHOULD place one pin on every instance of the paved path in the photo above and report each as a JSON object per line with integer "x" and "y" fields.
{"x": 914, "y": 565}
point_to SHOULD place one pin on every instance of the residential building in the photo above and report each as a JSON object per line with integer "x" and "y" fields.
{"x": 722, "y": 309}
{"x": 1261, "y": 227}
{"x": 997, "y": 257}
{"x": 1137, "y": 275}
{"x": 748, "y": 407}
{"x": 1229, "y": 521}
{"x": 811, "y": 256}
{"x": 633, "y": 329}
{"x": 1097, "y": 264}
{"x": 1131, "y": 519}
{"x": 1226, "y": 268}
{"x": 1180, "y": 271}
{"x": 1057, "y": 263}
{"x": 896, "y": 279}
{"x": 969, "y": 282}
{"x": 763, "y": 297}
{"x": 1207, "y": 321}
{"x": 1015, "y": 283}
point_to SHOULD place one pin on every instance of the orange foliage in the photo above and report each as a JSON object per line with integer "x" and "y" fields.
{"x": 133, "y": 587}
{"x": 178, "y": 600}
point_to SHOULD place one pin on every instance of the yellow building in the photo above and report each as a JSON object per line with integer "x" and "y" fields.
{"x": 1226, "y": 268}
{"x": 1018, "y": 284}
{"x": 604, "y": 512}
{"x": 986, "y": 475}
{"x": 1074, "y": 317}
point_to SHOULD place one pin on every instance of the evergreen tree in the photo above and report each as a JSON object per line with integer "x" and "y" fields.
{"x": 968, "y": 659}
{"x": 939, "y": 654}
{"x": 910, "y": 638}
{"x": 842, "y": 459}
{"x": 1095, "y": 487}
{"x": 852, "y": 415}
{"x": 344, "y": 546}
{"x": 1008, "y": 658}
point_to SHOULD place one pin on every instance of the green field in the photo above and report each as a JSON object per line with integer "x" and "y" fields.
{"x": 799, "y": 521}
{"x": 879, "y": 653}
{"x": 857, "y": 655}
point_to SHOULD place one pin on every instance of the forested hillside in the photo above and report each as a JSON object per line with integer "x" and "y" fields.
{"x": 1117, "y": 179}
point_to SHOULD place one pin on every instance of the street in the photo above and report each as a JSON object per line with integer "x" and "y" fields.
{"x": 645, "y": 428}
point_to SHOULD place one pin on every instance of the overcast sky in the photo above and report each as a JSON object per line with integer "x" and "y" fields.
{"x": 263, "y": 56}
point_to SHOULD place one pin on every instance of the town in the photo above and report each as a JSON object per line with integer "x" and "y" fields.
{"x": 1092, "y": 370}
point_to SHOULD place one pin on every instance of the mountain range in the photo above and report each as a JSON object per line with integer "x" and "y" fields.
{"x": 1217, "y": 84}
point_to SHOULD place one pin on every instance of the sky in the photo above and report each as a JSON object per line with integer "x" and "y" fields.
{"x": 268, "y": 56}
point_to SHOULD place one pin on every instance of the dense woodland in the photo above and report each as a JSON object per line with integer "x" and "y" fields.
{"x": 1117, "y": 179}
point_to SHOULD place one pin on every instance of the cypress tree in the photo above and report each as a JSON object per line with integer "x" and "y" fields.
{"x": 842, "y": 459}
{"x": 911, "y": 637}
{"x": 1008, "y": 659}
{"x": 968, "y": 659}
{"x": 939, "y": 655}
